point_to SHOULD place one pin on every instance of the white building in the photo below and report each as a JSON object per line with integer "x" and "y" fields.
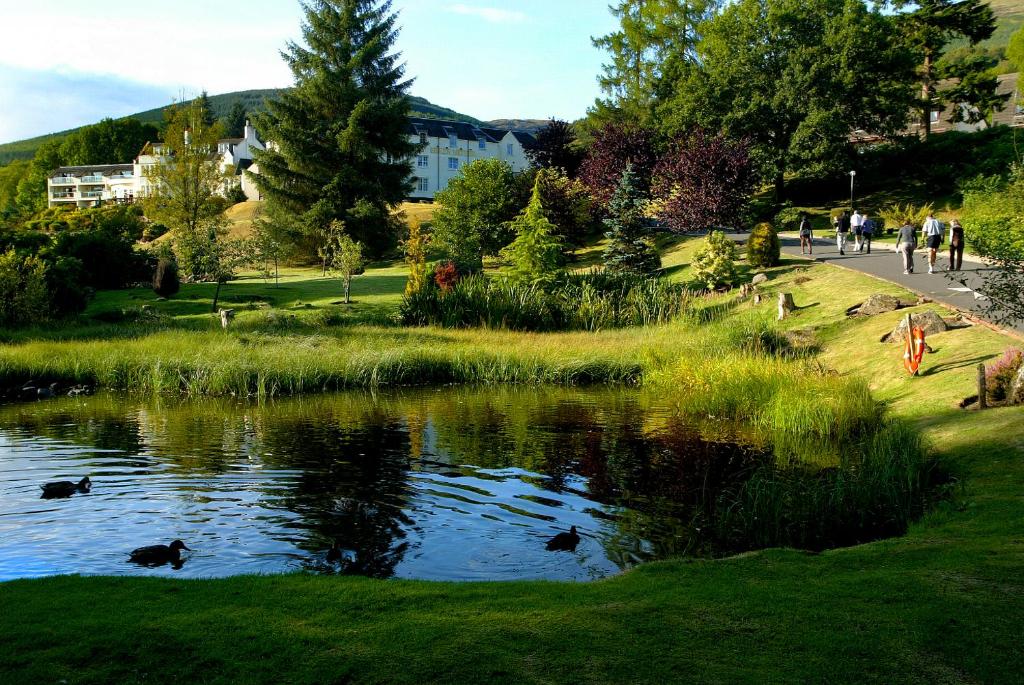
{"x": 447, "y": 146}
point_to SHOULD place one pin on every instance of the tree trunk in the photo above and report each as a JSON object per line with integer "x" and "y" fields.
{"x": 348, "y": 288}
{"x": 277, "y": 274}
{"x": 216, "y": 295}
{"x": 780, "y": 187}
{"x": 926, "y": 94}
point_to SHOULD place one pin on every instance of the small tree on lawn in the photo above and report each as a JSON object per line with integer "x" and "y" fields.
{"x": 568, "y": 205}
{"x": 416, "y": 257}
{"x": 714, "y": 264}
{"x": 704, "y": 182}
{"x": 535, "y": 256}
{"x": 763, "y": 246}
{"x": 346, "y": 257}
{"x": 630, "y": 248}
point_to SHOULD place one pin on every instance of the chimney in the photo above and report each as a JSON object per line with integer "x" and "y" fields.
{"x": 188, "y": 137}
{"x": 250, "y": 133}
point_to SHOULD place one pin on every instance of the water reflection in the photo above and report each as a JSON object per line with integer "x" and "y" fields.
{"x": 441, "y": 484}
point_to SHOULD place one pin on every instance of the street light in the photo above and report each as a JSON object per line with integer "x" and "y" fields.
{"x": 852, "y": 175}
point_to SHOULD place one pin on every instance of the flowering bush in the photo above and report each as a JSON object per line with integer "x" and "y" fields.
{"x": 446, "y": 276}
{"x": 1000, "y": 376}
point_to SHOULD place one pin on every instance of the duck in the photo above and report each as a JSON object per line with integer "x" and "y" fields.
{"x": 65, "y": 488}
{"x": 334, "y": 554}
{"x": 157, "y": 555}
{"x": 564, "y": 542}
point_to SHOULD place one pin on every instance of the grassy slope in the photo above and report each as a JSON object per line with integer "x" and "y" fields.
{"x": 943, "y": 604}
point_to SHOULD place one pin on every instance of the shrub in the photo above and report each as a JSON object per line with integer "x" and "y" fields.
{"x": 108, "y": 258}
{"x": 1000, "y": 376}
{"x": 763, "y": 246}
{"x": 713, "y": 265}
{"x": 166, "y": 282}
{"x": 24, "y": 298}
{"x": 788, "y": 218}
{"x": 446, "y": 276}
{"x": 898, "y": 214}
{"x": 235, "y": 194}
{"x": 64, "y": 280}
{"x": 535, "y": 256}
{"x": 152, "y": 231}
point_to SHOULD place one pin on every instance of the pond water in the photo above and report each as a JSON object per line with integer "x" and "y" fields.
{"x": 446, "y": 484}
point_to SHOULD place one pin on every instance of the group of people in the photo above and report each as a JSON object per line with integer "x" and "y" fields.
{"x": 863, "y": 228}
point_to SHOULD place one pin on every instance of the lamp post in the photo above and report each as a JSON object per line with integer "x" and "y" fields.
{"x": 852, "y": 175}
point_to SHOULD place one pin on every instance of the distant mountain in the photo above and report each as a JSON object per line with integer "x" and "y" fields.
{"x": 531, "y": 125}
{"x": 221, "y": 104}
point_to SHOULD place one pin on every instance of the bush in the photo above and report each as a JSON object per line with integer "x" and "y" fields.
{"x": 108, "y": 259}
{"x": 166, "y": 282}
{"x": 763, "y": 246}
{"x": 788, "y": 218}
{"x": 1000, "y": 376}
{"x": 446, "y": 276}
{"x": 713, "y": 265}
{"x": 235, "y": 194}
{"x": 64, "y": 280}
{"x": 24, "y": 297}
{"x": 153, "y": 231}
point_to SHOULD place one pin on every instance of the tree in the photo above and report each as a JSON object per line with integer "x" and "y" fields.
{"x": 346, "y": 257}
{"x": 10, "y": 176}
{"x": 615, "y": 147}
{"x": 535, "y": 256}
{"x": 651, "y": 34}
{"x": 714, "y": 263}
{"x": 234, "y": 123}
{"x": 928, "y": 27}
{"x": 206, "y": 107}
{"x": 794, "y": 77}
{"x": 473, "y": 213}
{"x": 705, "y": 181}
{"x": 415, "y": 247}
{"x": 270, "y": 246}
{"x": 556, "y": 148}
{"x": 108, "y": 142}
{"x": 973, "y": 89}
{"x": 567, "y": 205}
{"x": 630, "y": 247}
{"x": 31, "y": 195}
{"x": 340, "y": 148}
{"x": 24, "y": 298}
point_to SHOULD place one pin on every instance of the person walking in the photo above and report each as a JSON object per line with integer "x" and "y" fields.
{"x": 806, "y": 234}
{"x": 906, "y": 243}
{"x": 842, "y": 231}
{"x": 932, "y": 233}
{"x": 857, "y": 225}
{"x": 867, "y": 229}
{"x": 956, "y": 245}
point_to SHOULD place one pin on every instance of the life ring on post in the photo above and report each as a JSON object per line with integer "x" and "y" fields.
{"x": 913, "y": 349}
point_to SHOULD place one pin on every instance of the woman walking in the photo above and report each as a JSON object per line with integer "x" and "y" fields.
{"x": 956, "y": 245}
{"x": 806, "y": 235}
{"x": 906, "y": 243}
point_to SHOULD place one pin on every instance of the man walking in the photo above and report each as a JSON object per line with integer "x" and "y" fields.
{"x": 867, "y": 229}
{"x": 956, "y": 245}
{"x": 842, "y": 231}
{"x": 932, "y": 232}
{"x": 857, "y": 224}
{"x": 906, "y": 242}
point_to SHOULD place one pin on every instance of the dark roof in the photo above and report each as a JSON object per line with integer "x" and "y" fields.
{"x": 242, "y": 165}
{"x": 527, "y": 140}
{"x": 233, "y": 141}
{"x": 440, "y": 128}
{"x": 91, "y": 170}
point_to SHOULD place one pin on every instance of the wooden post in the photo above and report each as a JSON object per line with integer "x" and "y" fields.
{"x": 982, "y": 390}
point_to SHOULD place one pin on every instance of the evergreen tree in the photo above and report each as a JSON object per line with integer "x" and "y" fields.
{"x": 630, "y": 248}
{"x": 340, "y": 137}
{"x": 203, "y": 101}
{"x": 535, "y": 256}
{"x": 234, "y": 122}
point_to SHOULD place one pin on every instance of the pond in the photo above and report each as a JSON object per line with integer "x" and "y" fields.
{"x": 443, "y": 484}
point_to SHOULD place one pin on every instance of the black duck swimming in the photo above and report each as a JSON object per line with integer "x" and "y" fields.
{"x": 564, "y": 542}
{"x": 157, "y": 555}
{"x": 65, "y": 488}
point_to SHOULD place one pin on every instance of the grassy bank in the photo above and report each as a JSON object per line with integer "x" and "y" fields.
{"x": 945, "y": 603}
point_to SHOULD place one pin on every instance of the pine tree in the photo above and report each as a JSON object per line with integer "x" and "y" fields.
{"x": 535, "y": 256}
{"x": 234, "y": 122}
{"x": 630, "y": 249}
{"x": 339, "y": 143}
{"x": 203, "y": 101}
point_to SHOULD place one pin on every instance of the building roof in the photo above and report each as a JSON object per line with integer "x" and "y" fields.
{"x": 101, "y": 169}
{"x": 441, "y": 128}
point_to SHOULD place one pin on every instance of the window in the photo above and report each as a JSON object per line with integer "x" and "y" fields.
{"x": 423, "y": 161}
{"x": 935, "y": 116}
{"x": 423, "y": 138}
{"x": 453, "y": 163}
{"x": 453, "y": 140}
{"x": 508, "y": 149}
{"x": 423, "y": 185}
{"x": 482, "y": 143}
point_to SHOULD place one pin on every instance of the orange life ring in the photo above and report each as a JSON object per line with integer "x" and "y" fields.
{"x": 913, "y": 350}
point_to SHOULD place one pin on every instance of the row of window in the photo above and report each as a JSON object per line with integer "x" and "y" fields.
{"x": 453, "y": 142}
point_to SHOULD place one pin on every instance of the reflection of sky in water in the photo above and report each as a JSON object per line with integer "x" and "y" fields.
{"x": 454, "y": 484}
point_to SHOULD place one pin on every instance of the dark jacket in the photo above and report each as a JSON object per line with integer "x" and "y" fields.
{"x": 843, "y": 224}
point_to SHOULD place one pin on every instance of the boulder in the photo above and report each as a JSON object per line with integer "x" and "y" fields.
{"x": 930, "y": 322}
{"x": 758, "y": 279}
{"x": 878, "y": 304}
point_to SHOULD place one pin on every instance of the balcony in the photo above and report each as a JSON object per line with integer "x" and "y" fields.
{"x": 92, "y": 179}
{"x": 63, "y": 196}
{"x": 63, "y": 181}
{"x": 92, "y": 193}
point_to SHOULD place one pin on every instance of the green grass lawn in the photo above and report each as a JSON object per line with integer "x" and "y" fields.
{"x": 943, "y": 604}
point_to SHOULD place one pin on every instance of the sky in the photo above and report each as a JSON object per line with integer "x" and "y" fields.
{"x": 66, "y": 64}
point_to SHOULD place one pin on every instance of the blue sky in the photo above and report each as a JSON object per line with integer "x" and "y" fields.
{"x": 67, "y": 64}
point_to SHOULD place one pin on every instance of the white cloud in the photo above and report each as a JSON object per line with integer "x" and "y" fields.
{"x": 491, "y": 14}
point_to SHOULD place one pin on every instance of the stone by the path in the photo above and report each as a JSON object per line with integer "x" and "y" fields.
{"x": 930, "y": 322}
{"x": 758, "y": 279}
{"x": 878, "y": 304}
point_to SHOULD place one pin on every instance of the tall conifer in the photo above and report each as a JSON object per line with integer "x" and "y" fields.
{"x": 630, "y": 249}
{"x": 338, "y": 141}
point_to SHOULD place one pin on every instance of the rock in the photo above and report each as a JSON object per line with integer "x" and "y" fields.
{"x": 924, "y": 300}
{"x": 758, "y": 279}
{"x": 1017, "y": 387}
{"x": 878, "y": 304}
{"x": 930, "y": 322}
{"x": 746, "y": 290}
{"x": 786, "y": 305}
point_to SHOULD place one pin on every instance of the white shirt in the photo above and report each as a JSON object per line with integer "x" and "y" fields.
{"x": 932, "y": 227}
{"x": 857, "y": 220}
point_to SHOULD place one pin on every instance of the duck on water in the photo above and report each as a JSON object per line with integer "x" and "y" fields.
{"x": 65, "y": 488}
{"x": 564, "y": 542}
{"x": 158, "y": 555}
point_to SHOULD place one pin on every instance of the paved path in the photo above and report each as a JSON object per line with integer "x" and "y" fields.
{"x": 963, "y": 289}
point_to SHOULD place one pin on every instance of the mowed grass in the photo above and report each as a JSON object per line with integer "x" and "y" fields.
{"x": 943, "y": 604}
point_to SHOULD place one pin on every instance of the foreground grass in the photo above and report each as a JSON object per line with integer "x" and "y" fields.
{"x": 945, "y": 603}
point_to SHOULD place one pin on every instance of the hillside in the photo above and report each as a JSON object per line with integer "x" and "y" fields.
{"x": 531, "y": 125}
{"x": 221, "y": 104}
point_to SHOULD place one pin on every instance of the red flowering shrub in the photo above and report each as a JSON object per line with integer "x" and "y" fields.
{"x": 446, "y": 276}
{"x": 999, "y": 377}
